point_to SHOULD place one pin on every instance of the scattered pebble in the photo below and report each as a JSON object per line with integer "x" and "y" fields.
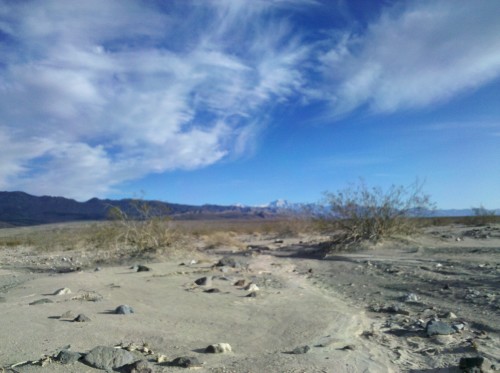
{"x": 240, "y": 283}
{"x": 212, "y": 290}
{"x": 300, "y": 350}
{"x": 252, "y": 287}
{"x": 185, "y": 362}
{"x": 227, "y": 261}
{"x": 124, "y": 310}
{"x": 438, "y": 328}
{"x": 204, "y": 281}
{"x": 219, "y": 348}
{"x": 81, "y": 318}
{"x": 62, "y": 291}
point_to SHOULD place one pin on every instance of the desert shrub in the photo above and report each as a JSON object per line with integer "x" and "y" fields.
{"x": 372, "y": 213}
{"x": 482, "y": 216}
{"x": 142, "y": 227}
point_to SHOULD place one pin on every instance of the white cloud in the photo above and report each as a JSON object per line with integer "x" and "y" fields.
{"x": 416, "y": 54}
{"x": 96, "y": 93}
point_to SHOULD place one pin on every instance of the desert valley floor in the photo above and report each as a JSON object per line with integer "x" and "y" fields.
{"x": 283, "y": 304}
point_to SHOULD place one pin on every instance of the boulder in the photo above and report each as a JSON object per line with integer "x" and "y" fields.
{"x": 107, "y": 358}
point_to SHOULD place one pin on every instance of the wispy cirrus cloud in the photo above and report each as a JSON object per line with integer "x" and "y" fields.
{"x": 416, "y": 54}
{"x": 96, "y": 93}
{"x": 93, "y": 94}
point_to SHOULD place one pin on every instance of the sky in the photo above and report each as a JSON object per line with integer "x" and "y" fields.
{"x": 249, "y": 101}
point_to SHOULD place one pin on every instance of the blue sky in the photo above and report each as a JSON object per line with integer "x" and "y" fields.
{"x": 239, "y": 101}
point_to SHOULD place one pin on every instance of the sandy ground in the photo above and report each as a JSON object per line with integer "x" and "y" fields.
{"x": 341, "y": 306}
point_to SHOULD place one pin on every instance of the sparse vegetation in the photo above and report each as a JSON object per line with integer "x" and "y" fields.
{"x": 483, "y": 216}
{"x": 372, "y": 213}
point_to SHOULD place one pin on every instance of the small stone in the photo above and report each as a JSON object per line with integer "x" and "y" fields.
{"x": 252, "y": 287}
{"x": 438, "y": 328}
{"x": 142, "y": 366}
{"x": 227, "y": 261}
{"x": 450, "y": 315}
{"x": 471, "y": 364}
{"x": 108, "y": 358}
{"x": 301, "y": 350}
{"x": 204, "y": 281}
{"x": 253, "y": 294}
{"x": 62, "y": 291}
{"x": 459, "y": 326}
{"x": 124, "y": 310}
{"x": 142, "y": 268}
{"x": 81, "y": 318}
{"x": 41, "y": 301}
{"x": 240, "y": 283}
{"x": 185, "y": 362}
{"x": 219, "y": 348}
{"x": 97, "y": 269}
{"x": 410, "y": 298}
{"x": 68, "y": 357}
{"x": 213, "y": 290}
{"x": 161, "y": 359}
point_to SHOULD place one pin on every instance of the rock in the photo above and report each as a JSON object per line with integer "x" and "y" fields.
{"x": 62, "y": 291}
{"x": 450, "y": 315}
{"x": 185, "y": 362}
{"x": 68, "y": 357}
{"x": 240, "y": 283}
{"x": 300, "y": 350}
{"x": 348, "y": 348}
{"x": 124, "y": 310}
{"x": 142, "y": 268}
{"x": 410, "y": 298}
{"x": 227, "y": 261}
{"x": 213, "y": 290}
{"x": 253, "y": 294}
{"x": 97, "y": 269}
{"x": 204, "y": 281}
{"x": 81, "y": 318}
{"x": 141, "y": 366}
{"x": 459, "y": 326}
{"x": 252, "y": 287}
{"x": 218, "y": 348}
{"x": 41, "y": 301}
{"x": 108, "y": 358}
{"x": 438, "y": 328}
{"x": 471, "y": 364}
{"x": 395, "y": 308}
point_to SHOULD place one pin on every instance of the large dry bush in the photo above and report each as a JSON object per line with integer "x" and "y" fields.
{"x": 372, "y": 213}
{"x": 142, "y": 227}
{"x": 483, "y": 216}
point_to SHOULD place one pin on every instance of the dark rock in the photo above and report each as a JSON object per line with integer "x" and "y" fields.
{"x": 213, "y": 290}
{"x": 185, "y": 362}
{"x": 227, "y": 261}
{"x": 68, "y": 357}
{"x": 301, "y": 350}
{"x": 434, "y": 327}
{"x": 396, "y": 309}
{"x": 124, "y": 310}
{"x": 141, "y": 366}
{"x": 142, "y": 268}
{"x": 108, "y": 358}
{"x": 348, "y": 348}
{"x": 41, "y": 301}
{"x": 471, "y": 364}
{"x": 204, "y": 281}
{"x": 253, "y": 294}
{"x": 240, "y": 283}
{"x": 81, "y": 318}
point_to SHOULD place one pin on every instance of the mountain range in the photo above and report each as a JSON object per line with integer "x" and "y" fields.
{"x": 22, "y": 209}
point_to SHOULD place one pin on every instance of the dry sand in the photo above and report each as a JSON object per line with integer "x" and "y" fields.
{"x": 336, "y": 305}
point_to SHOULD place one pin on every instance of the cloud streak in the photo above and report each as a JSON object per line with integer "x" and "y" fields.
{"x": 93, "y": 94}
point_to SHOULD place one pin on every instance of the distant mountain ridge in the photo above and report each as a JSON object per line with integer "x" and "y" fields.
{"x": 23, "y": 209}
